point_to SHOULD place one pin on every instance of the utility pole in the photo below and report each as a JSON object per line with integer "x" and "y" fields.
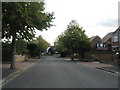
{"x": 119, "y": 38}
{"x": 119, "y": 42}
{"x": 118, "y": 25}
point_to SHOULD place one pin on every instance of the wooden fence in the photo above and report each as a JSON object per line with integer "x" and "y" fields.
{"x": 106, "y": 56}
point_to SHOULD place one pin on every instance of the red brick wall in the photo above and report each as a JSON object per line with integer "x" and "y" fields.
{"x": 96, "y": 40}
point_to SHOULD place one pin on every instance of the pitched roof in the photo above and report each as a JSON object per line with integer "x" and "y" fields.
{"x": 116, "y": 31}
{"x": 106, "y": 37}
{"x": 93, "y": 37}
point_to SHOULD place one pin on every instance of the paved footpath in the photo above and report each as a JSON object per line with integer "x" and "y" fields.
{"x": 102, "y": 66}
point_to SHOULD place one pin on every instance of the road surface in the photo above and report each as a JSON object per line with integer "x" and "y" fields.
{"x": 52, "y": 72}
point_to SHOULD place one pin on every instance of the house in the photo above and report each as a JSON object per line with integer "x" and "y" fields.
{"x": 106, "y": 42}
{"x": 116, "y": 40}
{"x": 110, "y": 42}
{"x": 95, "y": 41}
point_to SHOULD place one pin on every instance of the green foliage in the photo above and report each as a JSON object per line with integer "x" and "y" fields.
{"x": 37, "y": 46}
{"x": 42, "y": 44}
{"x": 6, "y": 44}
{"x": 32, "y": 49}
{"x": 74, "y": 39}
{"x": 61, "y": 49}
{"x": 21, "y": 46}
{"x": 22, "y": 18}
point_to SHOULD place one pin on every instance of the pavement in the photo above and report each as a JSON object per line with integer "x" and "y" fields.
{"x": 8, "y": 74}
{"x": 55, "y": 72}
{"x": 108, "y": 66}
{"x": 102, "y": 66}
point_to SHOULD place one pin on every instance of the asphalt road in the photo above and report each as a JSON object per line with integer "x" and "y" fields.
{"x": 54, "y": 72}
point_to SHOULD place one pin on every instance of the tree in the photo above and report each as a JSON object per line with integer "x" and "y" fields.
{"x": 75, "y": 40}
{"x": 6, "y": 44}
{"x": 32, "y": 48}
{"x": 37, "y": 46}
{"x": 59, "y": 46}
{"x": 20, "y": 19}
{"x": 42, "y": 44}
{"x": 21, "y": 46}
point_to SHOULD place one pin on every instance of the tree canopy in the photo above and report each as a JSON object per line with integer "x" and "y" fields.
{"x": 37, "y": 46}
{"x": 20, "y": 19}
{"x": 21, "y": 47}
{"x": 74, "y": 39}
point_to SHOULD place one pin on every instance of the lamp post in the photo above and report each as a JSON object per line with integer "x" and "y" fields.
{"x": 119, "y": 38}
{"x": 119, "y": 29}
{"x": 119, "y": 42}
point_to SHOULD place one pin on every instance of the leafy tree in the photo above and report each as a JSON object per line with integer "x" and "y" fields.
{"x": 37, "y": 46}
{"x": 6, "y": 44}
{"x": 32, "y": 47}
{"x": 20, "y": 19}
{"x": 60, "y": 48}
{"x": 42, "y": 43}
{"x": 21, "y": 46}
{"x": 75, "y": 40}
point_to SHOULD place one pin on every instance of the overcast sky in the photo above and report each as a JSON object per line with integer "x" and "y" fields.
{"x": 97, "y": 17}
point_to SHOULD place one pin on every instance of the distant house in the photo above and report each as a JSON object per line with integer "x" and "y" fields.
{"x": 110, "y": 42}
{"x": 116, "y": 40}
{"x": 106, "y": 41}
{"x": 95, "y": 41}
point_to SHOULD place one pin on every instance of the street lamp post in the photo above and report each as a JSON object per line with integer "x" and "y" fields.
{"x": 119, "y": 42}
{"x": 119, "y": 38}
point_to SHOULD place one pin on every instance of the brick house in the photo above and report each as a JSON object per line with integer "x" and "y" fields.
{"x": 106, "y": 41}
{"x": 95, "y": 41}
{"x": 110, "y": 42}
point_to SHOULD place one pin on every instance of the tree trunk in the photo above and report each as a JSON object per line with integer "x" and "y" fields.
{"x": 13, "y": 47}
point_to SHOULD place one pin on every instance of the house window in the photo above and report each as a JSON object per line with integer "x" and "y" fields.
{"x": 101, "y": 45}
{"x": 115, "y": 39}
{"x": 98, "y": 45}
{"x": 104, "y": 45}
